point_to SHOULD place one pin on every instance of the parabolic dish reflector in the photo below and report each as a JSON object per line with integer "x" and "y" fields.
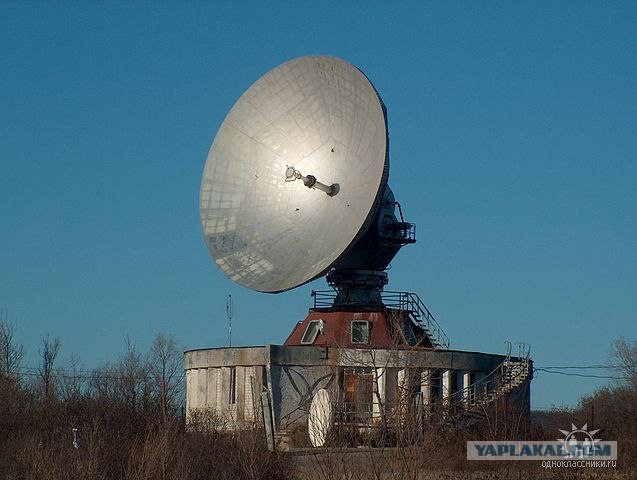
{"x": 321, "y": 116}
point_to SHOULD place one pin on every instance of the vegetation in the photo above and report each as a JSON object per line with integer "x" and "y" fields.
{"x": 129, "y": 423}
{"x": 611, "y": 409}
{"x": 128, "y": 417}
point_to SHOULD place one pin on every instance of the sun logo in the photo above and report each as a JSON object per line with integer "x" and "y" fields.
{"x": 579, "y": 442}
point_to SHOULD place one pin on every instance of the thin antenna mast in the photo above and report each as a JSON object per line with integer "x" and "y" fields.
{"x": 229, "y": 314}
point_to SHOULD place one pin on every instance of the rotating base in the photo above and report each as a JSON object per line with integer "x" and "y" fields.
{"x": 357, "y": 287}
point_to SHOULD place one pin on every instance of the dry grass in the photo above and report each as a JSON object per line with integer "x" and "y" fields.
{"x": 131, "y": 428}
{"x": 122, "y": 442}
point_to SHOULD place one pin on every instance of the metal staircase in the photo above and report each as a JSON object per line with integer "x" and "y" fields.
{"x": 419, "y": 314}
{"x": 471, "y": 402}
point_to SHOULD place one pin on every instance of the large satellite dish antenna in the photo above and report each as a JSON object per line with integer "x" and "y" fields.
{"x": 295, "y": 183}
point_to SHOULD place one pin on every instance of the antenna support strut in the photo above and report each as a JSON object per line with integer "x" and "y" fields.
{"x": 310, "y": 181}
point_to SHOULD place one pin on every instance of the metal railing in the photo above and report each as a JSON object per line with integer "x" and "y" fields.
{"x": 405, "y": 232}
{"x": 323, "y": 298}
{"x": 419, "y": 313}
{"x": 465, "y": 403}
{"x": 403, "y": 301}
{"x": 507, "y": 376}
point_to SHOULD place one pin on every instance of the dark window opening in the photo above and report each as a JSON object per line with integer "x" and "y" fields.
{"x": 360, "y": 331}
{"x": 232, "y": 397}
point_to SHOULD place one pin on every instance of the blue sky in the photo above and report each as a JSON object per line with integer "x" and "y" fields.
{"x": 513, "y": 148}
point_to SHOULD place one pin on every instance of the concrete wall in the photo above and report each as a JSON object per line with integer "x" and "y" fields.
{"x": 294, "y": 374}
{"x": 212, "y": 390}
{"x": 293, "y": 388}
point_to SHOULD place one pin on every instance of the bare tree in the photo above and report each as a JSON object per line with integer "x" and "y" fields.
{"x": 624, "y": 358}
{"x": 132, "y": 377}
{"x": 101, "y": 384}
{"x": 166, "y": 372}
{"x": 48, "y": 353}
{"x": 10, "y": 352}
{"x": 72, "y": 380}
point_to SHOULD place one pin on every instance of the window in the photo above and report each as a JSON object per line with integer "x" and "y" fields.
{"x": 311, "y": 331}
{"x": 360, "y": 331}
{"x": 232, "y": 397}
